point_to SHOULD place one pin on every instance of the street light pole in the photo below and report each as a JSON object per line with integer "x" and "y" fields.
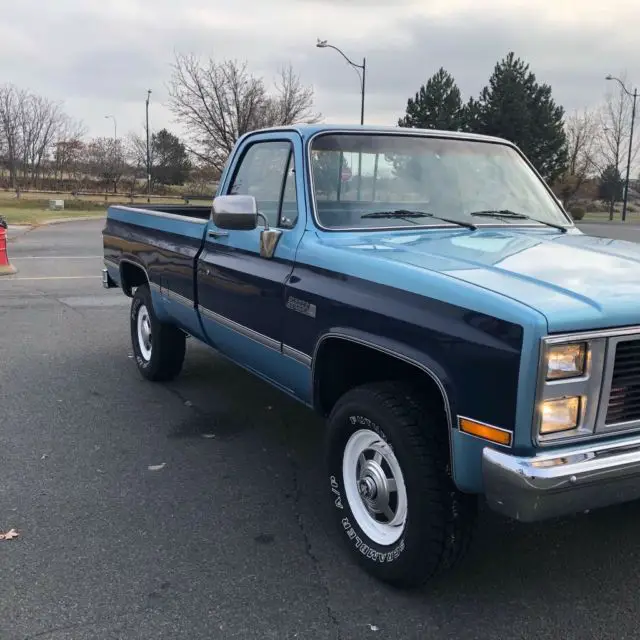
{"x": 626, "y": 185}
{"x": 364, "y": 78}
{"x": 322, "y": 44}
{"x": 115, "y": 129}
{"x": 148, "y": 151}
{"x": 634, "y": 97}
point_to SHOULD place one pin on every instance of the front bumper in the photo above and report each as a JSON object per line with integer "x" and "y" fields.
{"x": 107, "y": 280}
{"x": 562, "y": 482}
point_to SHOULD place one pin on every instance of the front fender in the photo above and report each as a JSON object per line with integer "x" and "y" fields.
{"x": 418, "y": 359}
{"x": 398, "y": 349}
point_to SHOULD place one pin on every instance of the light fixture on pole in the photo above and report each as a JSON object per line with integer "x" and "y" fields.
{"x": 634, "y": 97}
{"x": 323, "y": 44}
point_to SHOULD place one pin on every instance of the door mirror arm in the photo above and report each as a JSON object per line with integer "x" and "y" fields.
{"x": 269, "y": 237}
{"x": 261, "y": 215}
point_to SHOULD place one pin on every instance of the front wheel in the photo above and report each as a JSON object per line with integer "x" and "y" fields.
{"x": 397, "y": 508}
{"x": 158, "y": 348}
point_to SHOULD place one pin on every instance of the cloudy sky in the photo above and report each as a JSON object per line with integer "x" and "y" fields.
{"x": 101, "y": 56}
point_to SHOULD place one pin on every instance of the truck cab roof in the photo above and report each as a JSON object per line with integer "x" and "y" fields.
{"x": 307, "y": 131}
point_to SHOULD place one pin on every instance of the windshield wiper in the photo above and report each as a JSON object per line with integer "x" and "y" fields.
{"x": 507, "y": 213}
{"x": 407, "y": 214}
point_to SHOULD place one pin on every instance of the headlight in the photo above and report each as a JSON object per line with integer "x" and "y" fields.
{"x": 566, "y": 361}
{"x": 561, "y": 414}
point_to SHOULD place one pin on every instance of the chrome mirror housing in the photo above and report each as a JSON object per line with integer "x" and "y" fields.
{"x": 238, "y": 213}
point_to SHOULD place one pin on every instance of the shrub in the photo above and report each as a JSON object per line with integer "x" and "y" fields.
{"x": 577, "y": 213}
{"x": 600, "y": 206}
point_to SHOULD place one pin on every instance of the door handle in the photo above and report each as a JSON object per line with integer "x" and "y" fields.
{"x": 212, "y": 233}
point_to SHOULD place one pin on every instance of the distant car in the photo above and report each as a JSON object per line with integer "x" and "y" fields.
{"x": 427, "y": 294}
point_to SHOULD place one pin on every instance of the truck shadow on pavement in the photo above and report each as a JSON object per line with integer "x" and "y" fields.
{"x": 508, "y": 561}
{"x": 230, "y": 439}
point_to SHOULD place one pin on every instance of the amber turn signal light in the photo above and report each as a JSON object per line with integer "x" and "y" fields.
{"x": 485, "y": 431}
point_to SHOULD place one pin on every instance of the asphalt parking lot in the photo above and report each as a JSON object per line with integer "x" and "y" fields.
{"x": 198, "y": 509}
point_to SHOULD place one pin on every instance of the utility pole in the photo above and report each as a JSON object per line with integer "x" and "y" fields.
{"x": 148, "y": 151}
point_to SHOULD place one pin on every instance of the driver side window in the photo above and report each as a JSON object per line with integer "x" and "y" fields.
{"x": 266, "y": 173}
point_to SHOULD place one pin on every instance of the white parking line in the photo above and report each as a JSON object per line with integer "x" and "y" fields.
{"x": 16, "y": 258}
{"x": 10, "y": 279}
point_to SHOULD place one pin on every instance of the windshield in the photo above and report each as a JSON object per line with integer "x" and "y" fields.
{"x": 355, "y": 175}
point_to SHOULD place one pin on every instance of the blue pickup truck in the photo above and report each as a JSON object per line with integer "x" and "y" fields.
{"x": 427, "y": 294}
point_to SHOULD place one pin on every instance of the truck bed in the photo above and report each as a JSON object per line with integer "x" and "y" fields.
{"x": 189, "y": 211}
{"x": 163, "y": 241}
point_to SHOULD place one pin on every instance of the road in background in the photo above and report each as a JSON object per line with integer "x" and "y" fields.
{"x": 199, "y": 509}
{"x": 617, "y": 230}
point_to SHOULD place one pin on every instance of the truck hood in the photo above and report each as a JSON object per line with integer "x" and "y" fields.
{"x": 575, "y": 280}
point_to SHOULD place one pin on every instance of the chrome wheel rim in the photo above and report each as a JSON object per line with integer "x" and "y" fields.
{"x": 375, "y": 487}
{"x": 144, "y": 332}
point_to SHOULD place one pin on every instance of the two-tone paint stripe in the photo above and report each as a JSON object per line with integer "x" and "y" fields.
{"x": 463, "y": 422}
{"x": 259, "y": 338}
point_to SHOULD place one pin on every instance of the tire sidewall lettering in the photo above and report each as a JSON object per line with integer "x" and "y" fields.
{"x": 135, "y": 310}
{"x": 367, "y": 548}
{"x": 367, "y": 423}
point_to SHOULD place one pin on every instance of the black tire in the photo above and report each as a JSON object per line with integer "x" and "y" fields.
{"x": 167, "y": 342}
{"x": 440, "y": 519}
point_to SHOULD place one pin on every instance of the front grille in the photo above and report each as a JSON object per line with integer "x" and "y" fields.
{"x": 624, "y": 401}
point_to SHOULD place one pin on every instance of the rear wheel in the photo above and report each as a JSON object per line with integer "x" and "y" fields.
{"x": 159, "y": 348}
{"x": 399, "y": 512}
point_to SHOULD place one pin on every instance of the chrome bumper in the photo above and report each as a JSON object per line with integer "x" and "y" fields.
{"x": 107, "y": 282}
{"x": 562, "y": 482}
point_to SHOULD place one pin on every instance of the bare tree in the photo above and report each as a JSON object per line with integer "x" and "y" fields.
{"x": 217, "y": 102}
{"x": 68, "y": 151}
{"x": 41, "y": 122}
{"x": 292, "y": 102}
{"x": 136, "y": 152}
{"x": 105, "y": 159}
{"x": 582, "y": 132}
{"x": 615, "y": 129}
{"x": 30, "y": 127}
{"x": 12, "y": 101}
{"x": 203, "y": 179}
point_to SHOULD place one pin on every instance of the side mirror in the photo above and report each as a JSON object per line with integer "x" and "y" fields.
{"x": 238, "y": 213}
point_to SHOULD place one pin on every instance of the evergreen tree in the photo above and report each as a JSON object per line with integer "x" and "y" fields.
{"x": 170, "y": 162}
{"x": 327, "y": 168}
{"x": 471, "y": 116}
{"x": 437, "y": 105}
{"x": 610, "y": 187}
{"x": 514, "y": 106}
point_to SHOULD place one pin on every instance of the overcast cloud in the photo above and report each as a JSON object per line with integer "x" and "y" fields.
{"x": 101, "y": 56}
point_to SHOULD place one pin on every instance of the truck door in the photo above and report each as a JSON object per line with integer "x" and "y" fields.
{"x": 241, "y": 293}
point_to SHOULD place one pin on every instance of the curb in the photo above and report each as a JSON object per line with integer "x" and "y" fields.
{"x": 46, "y": 223}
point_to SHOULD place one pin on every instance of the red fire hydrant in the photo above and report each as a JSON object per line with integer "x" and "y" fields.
{"x": 6, "y": 268}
